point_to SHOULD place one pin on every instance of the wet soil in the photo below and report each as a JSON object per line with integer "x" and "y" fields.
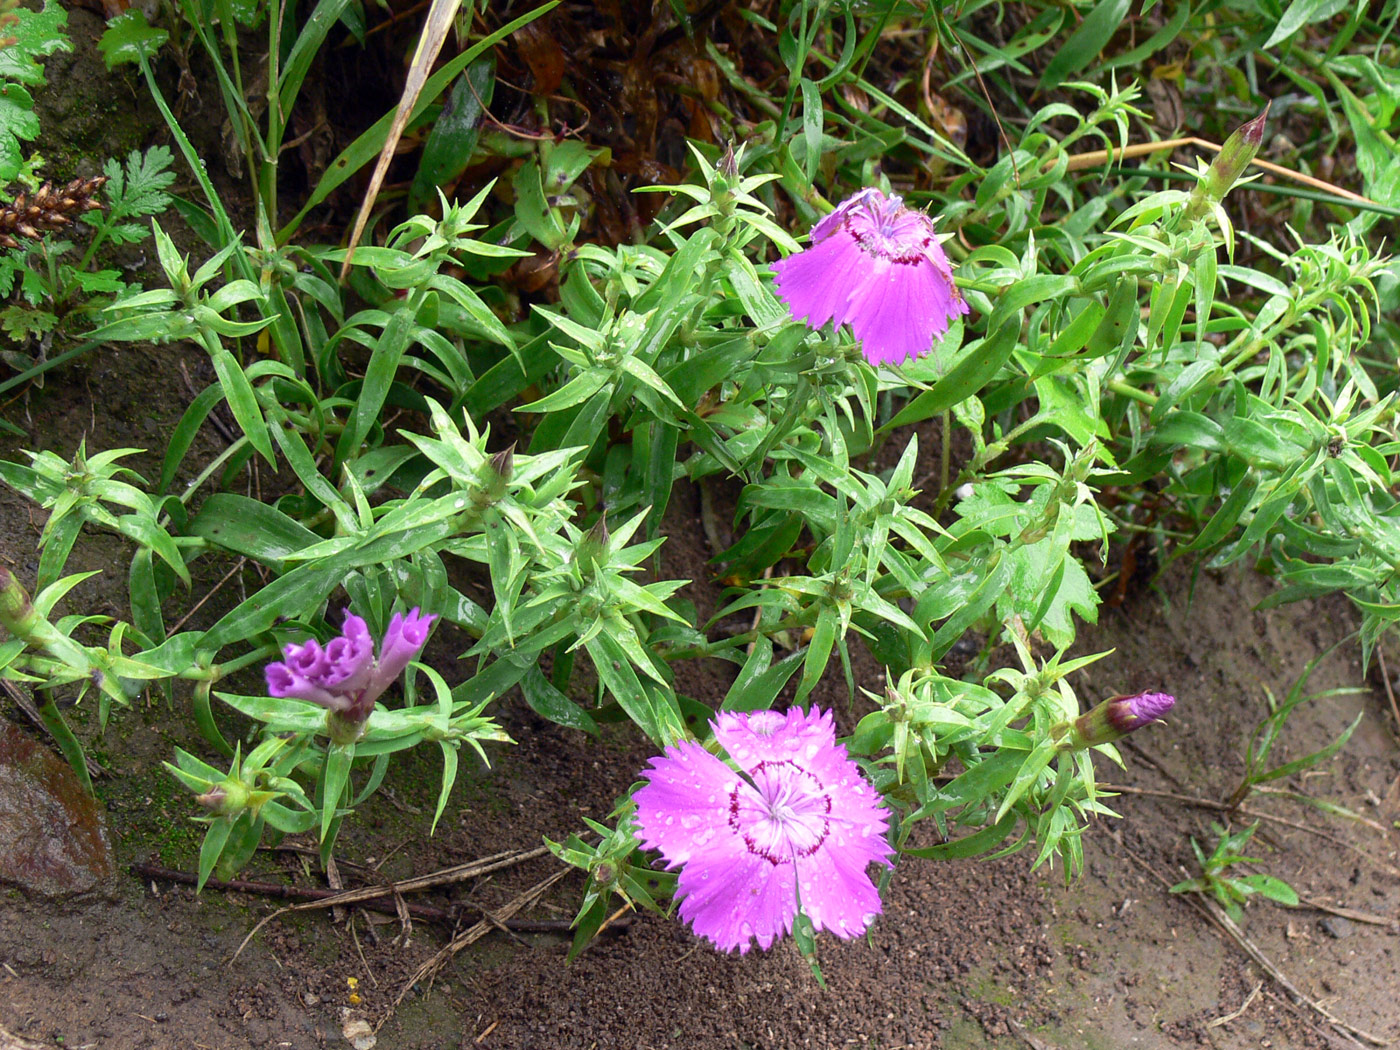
{"x": 967, "y": 954}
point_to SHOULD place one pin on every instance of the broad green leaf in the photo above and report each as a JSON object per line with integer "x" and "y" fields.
{"x": 248, "y": 526}
{"x": 34, "y": 35}
{"x": 130, "y": 38}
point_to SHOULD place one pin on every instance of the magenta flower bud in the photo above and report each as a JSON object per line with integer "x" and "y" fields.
{"x": 1113, "y": 719}
{"x": 402, "y": 641}
{"x": 349, "y": 659}
{"x": 307, "y": 660}
{"x": 878, "y": 266}
{"x": 283, "y": 681}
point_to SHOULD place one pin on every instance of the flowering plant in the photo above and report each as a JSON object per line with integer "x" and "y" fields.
{"x": 1107, "y": 384}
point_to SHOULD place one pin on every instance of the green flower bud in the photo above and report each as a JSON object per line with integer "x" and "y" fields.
{"x": 604, "y": 874}
{"x": 592, "y": 546}
{"x": 503, "y": 463}
{"x": 1235, "y": 156}
{"x": 16, "y": 610}
{"x": 227, "y": 798}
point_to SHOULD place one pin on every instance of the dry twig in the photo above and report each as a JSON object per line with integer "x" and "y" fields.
{"x": 429, "y": 970}
{"x": 1227, "y": 1018}
{"x": 459, "y": 873}
{"x": 1095, "y": 158}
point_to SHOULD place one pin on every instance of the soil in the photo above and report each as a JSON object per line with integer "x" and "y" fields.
{"x": 967, "y": 954}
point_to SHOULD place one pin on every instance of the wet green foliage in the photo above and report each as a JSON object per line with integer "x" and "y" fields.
{"x": 1150, "y": 371}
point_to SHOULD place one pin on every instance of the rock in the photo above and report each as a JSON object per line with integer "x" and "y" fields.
{"x": 358, "y": 1034}
{"x": 52, "y": 837}
{"x": 1337, "y": 927}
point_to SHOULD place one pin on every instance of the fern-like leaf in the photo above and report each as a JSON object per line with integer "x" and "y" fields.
{"x": 134, "y": 190}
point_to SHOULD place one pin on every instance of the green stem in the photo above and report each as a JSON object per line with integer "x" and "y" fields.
{"x": 217, "y": 462}
{"x": 228, "y": 667}
{"x": 203, "y": 712}
{"x": 1124, "y": 389}
{"x": 945, "y": 454}
{"x": 52, "y": 362}
{"x": 227, "y": 234}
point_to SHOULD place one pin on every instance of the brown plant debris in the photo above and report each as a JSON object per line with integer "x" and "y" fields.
{"x": 48, "y": 209}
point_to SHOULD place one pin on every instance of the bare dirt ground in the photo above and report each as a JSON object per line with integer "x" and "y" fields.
{"x": 967, "y": 954}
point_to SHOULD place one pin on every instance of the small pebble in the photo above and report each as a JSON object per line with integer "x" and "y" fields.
{"x": 359, "y": 1034}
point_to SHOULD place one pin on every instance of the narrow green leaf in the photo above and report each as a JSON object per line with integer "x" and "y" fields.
{"x": 980, "y": 362}
{"x": 1084, "y": 43}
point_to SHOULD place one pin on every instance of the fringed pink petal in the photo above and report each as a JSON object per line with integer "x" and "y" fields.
{"x": 751, "y": 738}
{"x": 879, "y": 267}
{"x": 684, "y": 806}
{"x": 814, "y": 283}
{"x": 734, "y": 898}
{"x": 837, "y": 895}
{"x": 879, "y": 316}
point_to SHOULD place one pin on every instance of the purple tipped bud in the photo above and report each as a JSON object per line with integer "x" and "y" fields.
{"x": 503, "y": 462}
{"x": 605, "y": 874}
{"x": 728, "y": 167}
{"x": 1235, "y": 156}
{"x": 1126, "y": 713}
{"x": 1114, "y": 718}
{"x": 595, "y": 542}
{"x": 227, "y": 799}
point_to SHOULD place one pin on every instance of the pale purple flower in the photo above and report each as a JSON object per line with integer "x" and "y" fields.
{"x": 796, "y": 817}
{"x": 875, "y": 265}
{"x": 1115, "y": 718}
{"x": 1126, "y": 713}
{"x": 344, "y": 677}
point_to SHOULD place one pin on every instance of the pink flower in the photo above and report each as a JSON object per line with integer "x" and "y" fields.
{"x": 875, "y": 265}
{"x": 797, "y": 817}
{"x": 344, "y": 677}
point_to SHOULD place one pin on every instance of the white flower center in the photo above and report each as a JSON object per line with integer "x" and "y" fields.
{"x": 784, "y": 814}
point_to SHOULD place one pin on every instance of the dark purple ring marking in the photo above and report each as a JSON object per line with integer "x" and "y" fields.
{"x": 818, "y": 791}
